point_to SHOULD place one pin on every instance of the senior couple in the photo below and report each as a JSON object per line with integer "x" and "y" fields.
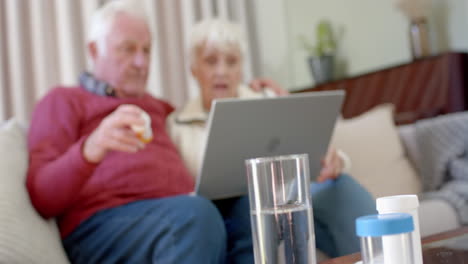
{"x": 117, "y": 200}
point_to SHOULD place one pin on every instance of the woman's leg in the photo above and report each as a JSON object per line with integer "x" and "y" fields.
{"x": 236, "y": 214}
{"x": 180, "y": 229}
{"x": 336, "y": 205}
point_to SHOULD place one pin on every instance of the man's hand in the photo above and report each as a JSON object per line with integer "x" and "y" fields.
{"x": 332, "y": 165}
{"x": 114, "y": 134}
{"x": 260, "y": 84}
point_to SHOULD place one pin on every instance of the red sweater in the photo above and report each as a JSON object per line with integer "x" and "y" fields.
{"x": 63, "y": 184}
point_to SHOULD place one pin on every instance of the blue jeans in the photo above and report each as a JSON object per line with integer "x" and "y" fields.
{"x": 179, "y": 229}
{"x": 191, "y": 229}
{"x": 336, "y": 205}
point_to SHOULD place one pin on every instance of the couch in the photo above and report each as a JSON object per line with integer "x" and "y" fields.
{"x": 382, "y": 161}
{"x": 375, "y": 145}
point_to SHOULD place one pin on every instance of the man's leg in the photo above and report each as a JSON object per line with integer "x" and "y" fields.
{"x": 236, "y": 214}
{"x": 180, "y": 229}
{"x": 336, "y": 206}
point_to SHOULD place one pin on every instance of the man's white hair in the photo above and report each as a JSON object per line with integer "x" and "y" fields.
{"x": 216, "y": 32}
{"x": 103, "y": 18}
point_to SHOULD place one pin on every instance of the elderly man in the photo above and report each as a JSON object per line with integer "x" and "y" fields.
{"x": 116, "y": 199}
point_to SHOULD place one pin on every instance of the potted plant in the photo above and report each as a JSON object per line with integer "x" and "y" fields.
{"x": 321, "y": 55}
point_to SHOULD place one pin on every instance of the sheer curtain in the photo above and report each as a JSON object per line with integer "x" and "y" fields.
{"x": 42, "y": 44}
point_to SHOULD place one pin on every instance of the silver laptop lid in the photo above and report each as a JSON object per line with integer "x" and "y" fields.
{"x": 240, "y": 129}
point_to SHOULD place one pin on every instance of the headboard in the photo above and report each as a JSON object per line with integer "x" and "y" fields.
{"x": 420, "y": 89}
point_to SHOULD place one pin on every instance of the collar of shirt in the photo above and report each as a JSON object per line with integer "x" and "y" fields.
{"x": 95, "y": 86}
{"x": 194, "y": 112}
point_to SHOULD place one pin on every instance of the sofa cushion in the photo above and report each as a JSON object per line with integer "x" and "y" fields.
{"x": 25, "y": 237}
{"x": 378, "y": 159}
{"x": 437, "y": 216}
{"x": 408, "y": 137}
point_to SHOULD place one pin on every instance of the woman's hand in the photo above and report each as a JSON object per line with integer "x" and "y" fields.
{"x": 260, "y": 84}
{"x": 332, "y": 165}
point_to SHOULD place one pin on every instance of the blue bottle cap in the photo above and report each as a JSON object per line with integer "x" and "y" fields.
{"x": 384, "y": 224}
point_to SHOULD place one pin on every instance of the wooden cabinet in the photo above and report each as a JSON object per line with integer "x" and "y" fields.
{"x": 420, "y": 89}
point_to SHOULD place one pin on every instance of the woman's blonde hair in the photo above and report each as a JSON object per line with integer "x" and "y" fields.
{"x": 218, "y": 32}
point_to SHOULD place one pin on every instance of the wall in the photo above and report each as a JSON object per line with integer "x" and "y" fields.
{"x": 450, "y": 25}
{"x": 375, "y": 35}
{"x": 273, "y": 51}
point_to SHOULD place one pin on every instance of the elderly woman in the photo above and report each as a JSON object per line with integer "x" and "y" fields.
{"x": 217, "y": 52}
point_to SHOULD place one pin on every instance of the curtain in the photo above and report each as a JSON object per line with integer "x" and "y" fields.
{"x": 42, "y": 44}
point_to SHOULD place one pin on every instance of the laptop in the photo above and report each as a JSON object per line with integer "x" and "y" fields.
{"x": 240, "y": 129}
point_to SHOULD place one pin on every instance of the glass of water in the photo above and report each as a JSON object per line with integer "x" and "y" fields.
{"x": 281, "y": 209}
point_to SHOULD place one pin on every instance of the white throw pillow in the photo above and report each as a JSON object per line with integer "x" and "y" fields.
{"x": 25, "y": 237}
{"x": 378, "y": 160}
